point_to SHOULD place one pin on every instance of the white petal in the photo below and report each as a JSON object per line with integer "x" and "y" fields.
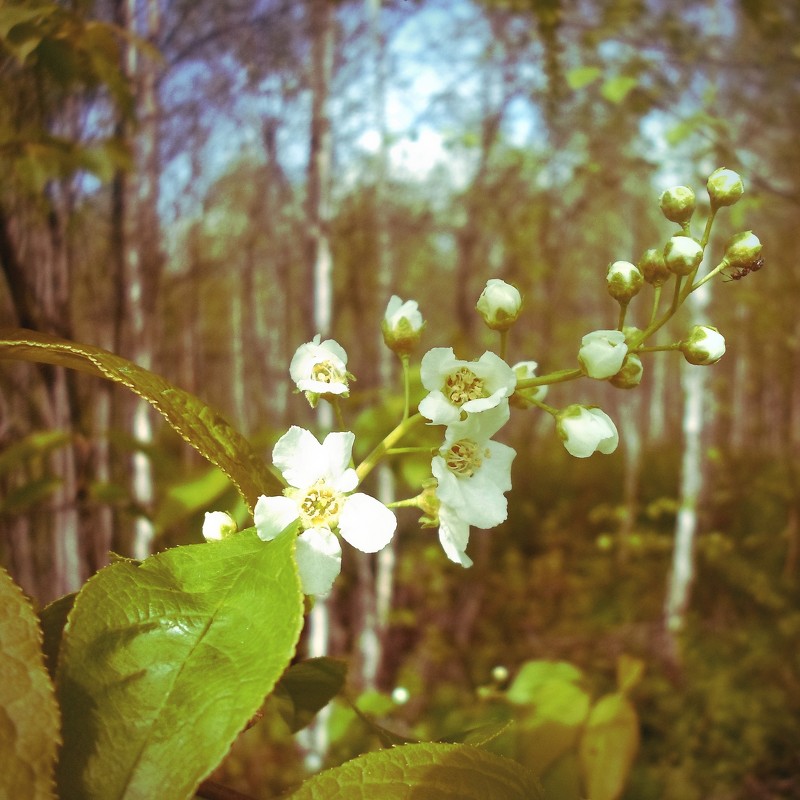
{"x": 366, "y": 523}
{"x": 436, "y": 363}
{"x": 478, "y": 427}
{"x": 454, "y": 536}
{"x": 336, "y": 350}
{"x": 438, "y": 410}
{"x": 338, "y": 449}
{"x": 273, "y": 515}
{"x": 319, "y": 560}
{"x": 479, "y": 502}
{"x": 299, "y": 457}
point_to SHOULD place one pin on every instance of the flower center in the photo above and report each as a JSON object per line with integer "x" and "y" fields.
{"x": 327, "y": 372}
{"x": 320, "y": 506}
{"x": 463, "y": 385}
{"x": 465, "y": 458}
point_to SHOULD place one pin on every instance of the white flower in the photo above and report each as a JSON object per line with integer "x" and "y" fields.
{"x": 499, "y": 304}
{"x": 474, "y": 472}
{"x": 402, "y": 325}
{"x": 454, "y": 535}
{"x": 218, "y": 525}
{"x": 462, "y": 387}
{"x": 523, "y": 397}
{"x": 319, "y": 497}
{"x": 705, "y": 345}
{"x": 586, "y": 430}
{"x": 602, "y": 353}
{"x": 320, "y": 368}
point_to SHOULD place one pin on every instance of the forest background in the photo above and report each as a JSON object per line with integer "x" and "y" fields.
{"x": 182, "y": 182}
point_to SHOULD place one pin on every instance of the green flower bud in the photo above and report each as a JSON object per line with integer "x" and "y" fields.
{"x": 704, "y": 345}
{"x": 623, "y": 280}
{"x": 743, "y": 252}
{"x": 653, "y": 268}
{"x": 402, "y": 326}
{"x": 682, "y": 255}
{"x": 630, "y": 374}
{"x": 725, "y": 187}
{"x": 677, "y": 204}
{"x": 499, "y": 304}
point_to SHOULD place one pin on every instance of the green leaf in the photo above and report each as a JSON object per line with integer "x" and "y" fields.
{"x": 426, "y": 770}
{"x": 197, "y": 423}
{"x": 28, "y": 711}
{"x": 615, "y": 90}
{"x": 582, "y": 76}
{"x": 53, "y": 618}
{"x": 532, "y": 675}
{"x": 608, "y": 746}
{"x": 32, "y": 446}
{"x": 556, "y": 709}
{"x": 307, "y": 687}
{"x": 163, "y": 663}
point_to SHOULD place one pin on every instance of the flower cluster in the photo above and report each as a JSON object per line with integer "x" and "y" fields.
{"x": 470, "y": 472}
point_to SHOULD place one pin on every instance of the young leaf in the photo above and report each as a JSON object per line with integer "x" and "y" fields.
{"x": 200, "y": 425}
{"x": 608, "y": 746}
{"x": 441, "y": 771}
{"x": 163, "y": 663}
{"x": 28, "y": 711}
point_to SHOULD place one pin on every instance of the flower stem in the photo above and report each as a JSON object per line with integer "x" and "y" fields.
{"x": 549, "y": 409}
{"x": 396, "y": 451}
{"x": 370, "y": 462}
{"x": 406, "y": 386}
{"x": 337, "y": 411}
{"x": 503, "y": 344}
{"x": 656, "y": 302}
{"x": 560, "y": 376}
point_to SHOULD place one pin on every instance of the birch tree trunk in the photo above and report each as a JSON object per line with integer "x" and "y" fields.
{"x": 142, "y": 253}
{"x": 694, "y": 384}
{"x": 321, "y": 267}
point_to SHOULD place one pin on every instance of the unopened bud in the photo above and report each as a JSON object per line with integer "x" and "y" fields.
{"x": 630, "y": 373}
{"x": 623, "y": 280}
{"x": 743, "y": 251}
{"x": 725, "y": 187}
{"x": 499, "y": 304}
{"x": 402, "y": 325}
{"x": 653, "y": 268}
{"x": 705, "y": 345}
{"x": 682, "y": 255}
{"x": 218, "y": 525}
{"x": 677, "y": 204}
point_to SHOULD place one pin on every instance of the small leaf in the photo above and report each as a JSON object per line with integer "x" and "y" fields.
{"x": 200, "y": 425}
{"x": 53, "y": 618}
{"x": 580, "y": 77}
{"x": 608, "y": 747}
{"x": 28, "y": 711}
{"x": 615, "y": 90}
{"x": 307, "y": 687}
{"x": 163, "y": 663}
{"x": 534, "y": 674}
{"x": 426, "y": 770}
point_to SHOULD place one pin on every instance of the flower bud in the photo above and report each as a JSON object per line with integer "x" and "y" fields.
{"x": 653, "y": 268}
{"x": 682, "y": 255}
{"x": 218, "y": 525}
{"x": 523, "y": 398}
{"x": 499, "y": 304}
{"x": 630, "y": 373}
{"x": 402, "y": 325}
{"x": 677, "y": 204}
{"x": 602, "y": 353}
{"x": 704, "y": 345}
{"x": 725, "y": 187}
{"x": 585, "y": 430}
{"x": 623, "y": 280}
{"x": 743, "y": 251}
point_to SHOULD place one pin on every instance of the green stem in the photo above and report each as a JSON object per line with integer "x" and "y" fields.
{"x": 623, "y": 310}
{"x": 707, "y": 231}
{"x": 412, "y": 502}
{"x": 656, "y": 302}
{"x": 337, "y": 411}
{"x": 549, "y": 409}
{"x": 396, "y": 451}
{"x": 561, "y": 376}
{"x": 406, "y": 386}
{"x": 503, "y": 344}
{"x": 722, "y": 264}
{"x": 657, "y": 348}
{"x": 370, "y": 462}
